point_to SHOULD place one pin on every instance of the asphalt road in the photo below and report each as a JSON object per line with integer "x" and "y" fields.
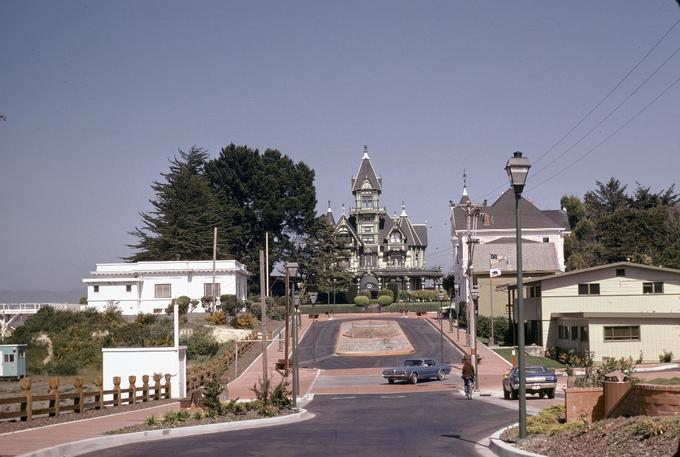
{"x": 317, "y": 348}
{"x": 418, "y": 424}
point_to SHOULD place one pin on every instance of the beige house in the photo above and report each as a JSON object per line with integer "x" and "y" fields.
{"x": 618, "y": 310}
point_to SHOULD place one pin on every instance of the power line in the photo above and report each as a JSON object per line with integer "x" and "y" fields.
{"x": 610, "y": 136}
{"x": 597, "y": 105}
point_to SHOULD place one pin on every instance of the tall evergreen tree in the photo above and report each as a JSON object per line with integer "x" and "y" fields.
{"x": 263, "y": 193}
{"x": 185, "y": 210}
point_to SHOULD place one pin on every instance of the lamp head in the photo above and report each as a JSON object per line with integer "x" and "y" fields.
{"x": 517, "y": 168}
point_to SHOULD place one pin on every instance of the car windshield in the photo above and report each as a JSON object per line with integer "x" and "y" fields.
{"x": 413, "y": 363}
{"x": 536, "y": 370}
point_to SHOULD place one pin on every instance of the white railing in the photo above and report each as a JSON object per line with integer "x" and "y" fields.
{"x": 32, "y": 308}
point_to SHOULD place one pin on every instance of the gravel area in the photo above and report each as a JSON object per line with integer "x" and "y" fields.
{"x": 13, "y": 426}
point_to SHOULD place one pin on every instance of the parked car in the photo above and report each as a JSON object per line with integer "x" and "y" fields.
{"x": 539, "y": 381}
{"x": 415, "y": 370}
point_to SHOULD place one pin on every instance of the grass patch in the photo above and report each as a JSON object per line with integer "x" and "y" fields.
{"x": 506, "y": 353}
{"x": 664, "y": 381}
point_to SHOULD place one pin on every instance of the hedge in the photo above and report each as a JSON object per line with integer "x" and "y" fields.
{"x": 346, "y": 308}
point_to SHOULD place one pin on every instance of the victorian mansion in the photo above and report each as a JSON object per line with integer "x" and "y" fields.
{"x": 383, "y": 248}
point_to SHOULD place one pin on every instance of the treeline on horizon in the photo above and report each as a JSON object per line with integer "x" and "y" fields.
{"x": 246, "y": 193}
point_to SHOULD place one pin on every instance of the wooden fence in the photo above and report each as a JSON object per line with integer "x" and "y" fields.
{"x": 81, "y": 400}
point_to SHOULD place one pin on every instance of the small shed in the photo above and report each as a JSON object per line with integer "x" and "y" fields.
{"x": 13, "y": 357}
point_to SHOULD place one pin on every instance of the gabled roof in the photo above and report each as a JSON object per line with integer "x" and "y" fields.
{"x": 559, "y": 216}
{"x": 366, "y": 172}
{"x": 501, "y": 216}
{"x": 344, "y": 223}
{"x": 409, "y": 230}
{"x": 604, "y": 267}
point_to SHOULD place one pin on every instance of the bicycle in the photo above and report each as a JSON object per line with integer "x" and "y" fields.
{"x": 468, "y": 387}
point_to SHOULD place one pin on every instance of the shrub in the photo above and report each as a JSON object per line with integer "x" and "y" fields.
{"x": 501, "y": 328}
{"x": 351, "y": 293}
{"x": 361, "y": 300}
{"x": 68, "y": 367}
{"x": 666, "y": 357}
{"x": 152, "y": 420}
{"x": 386, "y": 292}
{"x": 218, "y": 318}
{"x": 385, "y": 300}
{"x": 183, "y": 303}
{"x": 200, "y": 343}
{"x": 365, "y": 294}
{"x": 394, "y": 287}
{"x": 230, "y": 304}
{"x": 245, "y": 320}
{"x": 212, "y": 390}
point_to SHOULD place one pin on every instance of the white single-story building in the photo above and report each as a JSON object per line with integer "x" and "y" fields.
{"x": 617, "y": 310}
{"x": 149, "y": 287}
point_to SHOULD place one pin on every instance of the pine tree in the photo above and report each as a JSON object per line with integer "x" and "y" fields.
{"x": 185, "y": 210}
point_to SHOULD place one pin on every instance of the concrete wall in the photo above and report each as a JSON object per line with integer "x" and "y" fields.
{"x": 126, "y": 362}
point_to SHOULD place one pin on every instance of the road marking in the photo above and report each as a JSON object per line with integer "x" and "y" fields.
{"x": 342, "y": 398}
{"x": 392, "y": 396}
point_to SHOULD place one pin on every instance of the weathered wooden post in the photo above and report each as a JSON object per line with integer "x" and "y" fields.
{"x": 145, "y": 388}
{"x": 99, "y": 398}
{"x": 79, "y": 401}
{"x": 132, "y": 395}
{"x": 54, "y": 393}
{"x": 27, "y": 401}
{"x": 168, "y": 387}
{"x": 116, "y": 391}
{"x": 157, "y": 386}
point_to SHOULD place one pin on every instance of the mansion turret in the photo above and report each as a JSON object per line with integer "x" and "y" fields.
{"x": 383, "y": 248}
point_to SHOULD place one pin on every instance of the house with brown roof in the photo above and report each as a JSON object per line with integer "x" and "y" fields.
{"x": 384, "y": 248}
{"x": 494, "y": 258}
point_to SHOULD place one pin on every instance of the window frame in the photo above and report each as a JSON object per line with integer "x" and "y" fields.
{"x": 208, "y": 285}
{"x": 589, "y": 288}
{"x": 613, "y": 338}
{"x": 160, "y": 295}
{"x": 128, "y": 287}
{"x": 655, "y": 287}
{"x": 95, "y": 289}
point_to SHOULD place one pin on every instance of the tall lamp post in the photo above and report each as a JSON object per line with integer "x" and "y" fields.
{"x": 440, "y": 296}
{"x": 474, "y": 292}
{"x": 517, "y": 168}
{"x": 291, "y": 270}
{"x": 456, "y": 289}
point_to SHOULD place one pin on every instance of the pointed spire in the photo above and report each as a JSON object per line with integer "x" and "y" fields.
{"x": 329, "y": 214}
{"x": 343, "y": 210}
{"x": 464, "y": 199}
{"x": 403, "y": 209}
{"x": 329, "y": 210}
{"x": 365, "y": 153}
{"x": 366, "y": 176}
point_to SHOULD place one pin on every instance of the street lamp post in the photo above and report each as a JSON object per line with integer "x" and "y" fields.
{"x": 291, "y": 270}
{"x": 456, "y": 288}
{"x": 517, "y": 169}
{"x": 441, "y": 329}
{"x": 335, "y": 281}
{"x": 474, "y": 292}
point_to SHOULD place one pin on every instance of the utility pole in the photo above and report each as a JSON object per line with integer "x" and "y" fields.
{"x": 214, "y": 293}
{"x": 263, "y": 308}
{"x": 266, "y": 262}
{"x": 285, "y": 354}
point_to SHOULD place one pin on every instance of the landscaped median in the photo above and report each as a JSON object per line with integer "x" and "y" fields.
{"x": 550, "y": 435}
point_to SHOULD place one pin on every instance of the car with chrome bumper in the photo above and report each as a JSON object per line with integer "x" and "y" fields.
{"x": 415, "y": 370}
{"x": 539, "y": 381}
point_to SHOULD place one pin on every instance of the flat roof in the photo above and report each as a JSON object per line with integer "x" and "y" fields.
{"x": 615, "y": 315}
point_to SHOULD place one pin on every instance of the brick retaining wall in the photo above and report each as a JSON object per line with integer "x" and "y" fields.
{"x": 650, "y": 400}
{"x": 586, "y": 402}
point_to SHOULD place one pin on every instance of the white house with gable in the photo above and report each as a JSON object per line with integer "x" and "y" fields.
{"x": 149, "y": 287}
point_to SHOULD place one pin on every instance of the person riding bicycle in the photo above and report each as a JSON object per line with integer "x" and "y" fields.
{"x": 468, "y": 373}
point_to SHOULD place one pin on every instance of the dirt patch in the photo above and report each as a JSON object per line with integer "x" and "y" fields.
{"x": 369, "y": 337}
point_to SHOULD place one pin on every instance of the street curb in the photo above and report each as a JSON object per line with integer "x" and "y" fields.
{"x": 503, "y": 449}
{"x": 668, "y": 366}
{"x": 108, "y": 441}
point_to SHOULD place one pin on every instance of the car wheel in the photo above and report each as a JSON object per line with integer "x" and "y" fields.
{"x": 414, "y": 378}
{"x": 515, "y": 394}
{"x": 541, "y": 394}
{"x": 551, "y": 393}
{"x": 506, "y": 394}
{"x": 441, "y": 375}
{"x": 391, "y": 381}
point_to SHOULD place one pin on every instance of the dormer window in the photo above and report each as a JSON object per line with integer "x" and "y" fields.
{"x": 395, "y": 237}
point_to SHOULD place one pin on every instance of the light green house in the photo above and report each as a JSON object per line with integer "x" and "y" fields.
{"x": 618, "y": 310}
{"x": 13, "y": 360}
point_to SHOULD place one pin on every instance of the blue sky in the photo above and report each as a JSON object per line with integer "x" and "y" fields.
{"x": 98, "y": 95}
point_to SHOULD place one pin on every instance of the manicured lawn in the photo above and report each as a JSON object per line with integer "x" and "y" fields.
{"x": 506, "y": 353}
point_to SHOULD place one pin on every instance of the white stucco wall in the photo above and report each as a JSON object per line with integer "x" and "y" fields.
{"x": 126, "y": 362}
{"x": 184, "y": 277}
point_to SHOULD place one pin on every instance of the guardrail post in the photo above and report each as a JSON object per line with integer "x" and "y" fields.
{"x": 27, "y": 402}
{"x": 132, "y": 395}
{"x": 145, "y": 388}
{"x": 54, "y": 392}
{"x": 79, "y": 401}
{"x": 168, "y": 387}
{"x": 99, "y": 398}
{"x": 117, "y": 401}
{"x": 157, "y": 386}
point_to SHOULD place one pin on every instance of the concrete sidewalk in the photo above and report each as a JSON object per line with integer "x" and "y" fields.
{"x": 33, "y": 439}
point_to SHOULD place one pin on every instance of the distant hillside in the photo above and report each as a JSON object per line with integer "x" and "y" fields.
{"x": 42, "y": 296}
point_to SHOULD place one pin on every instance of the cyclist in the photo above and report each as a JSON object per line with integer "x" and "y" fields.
{"x": 468, "y": 375}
